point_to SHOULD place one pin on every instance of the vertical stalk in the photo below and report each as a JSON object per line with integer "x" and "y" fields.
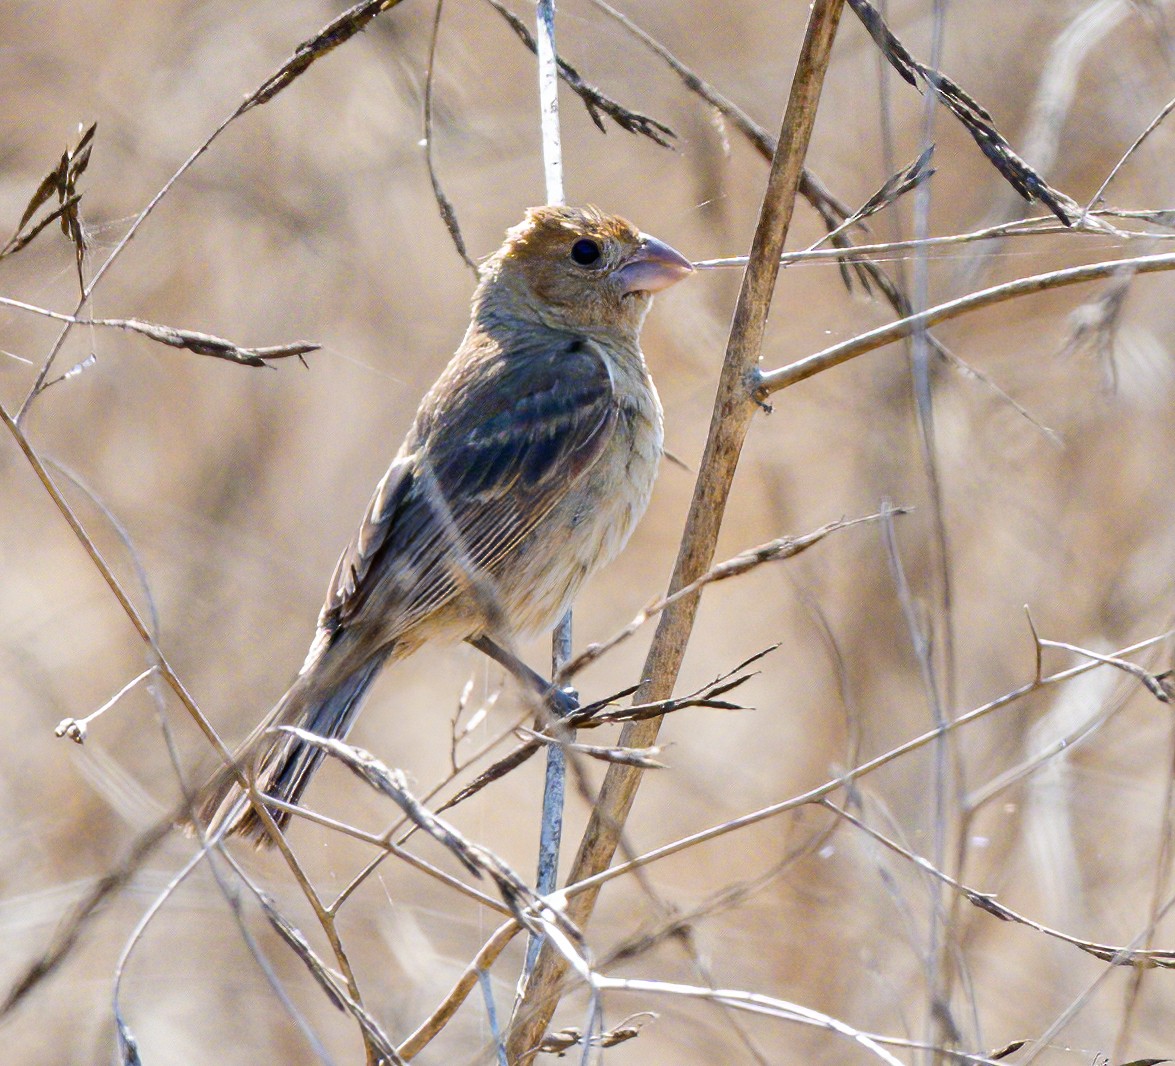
{"x": 549, "y": 100}
{"x": 733, "y": 409}
{"x": 555, "y": 784}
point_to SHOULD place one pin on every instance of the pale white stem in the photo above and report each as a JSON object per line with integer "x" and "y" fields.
{"x": 549, "y": 101}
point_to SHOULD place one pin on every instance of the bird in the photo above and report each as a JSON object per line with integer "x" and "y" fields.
{"x": 527, "y": 466}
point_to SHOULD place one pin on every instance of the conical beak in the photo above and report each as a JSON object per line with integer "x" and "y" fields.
{"x": 654, "y": 266}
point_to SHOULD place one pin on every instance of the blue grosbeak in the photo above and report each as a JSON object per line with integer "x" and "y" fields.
{"x": 527, "y": 466}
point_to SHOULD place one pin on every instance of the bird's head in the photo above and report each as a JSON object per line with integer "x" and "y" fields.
{"x": 577, "y": 268}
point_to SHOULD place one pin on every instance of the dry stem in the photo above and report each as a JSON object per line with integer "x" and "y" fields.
{"x": 731, "y": 419}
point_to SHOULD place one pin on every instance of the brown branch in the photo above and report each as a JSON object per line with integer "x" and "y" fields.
{"x": 733, "y": 410}
{"x": 465, "y": 984}
{"x": 834, "y": 213}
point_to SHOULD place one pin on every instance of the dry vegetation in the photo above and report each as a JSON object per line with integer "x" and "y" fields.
{"x": 1030, "y": 453}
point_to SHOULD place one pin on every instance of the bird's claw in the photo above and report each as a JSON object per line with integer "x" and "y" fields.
{"x": 563, "y": 701}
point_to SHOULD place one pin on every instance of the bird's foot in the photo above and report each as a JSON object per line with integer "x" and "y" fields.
{"x": 562, "y": 701}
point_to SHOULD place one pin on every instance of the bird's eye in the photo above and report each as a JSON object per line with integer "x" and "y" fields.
{"x": 585, "y": 252}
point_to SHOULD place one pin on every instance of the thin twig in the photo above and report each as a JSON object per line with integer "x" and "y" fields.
{"x": 156, "y": 833}
{"x": 387, "y": 847}
{"x": 125, "y": 1037}
{"x": 339, "y": 988}
{"x": 444, "y": 205}
{"x": 1154, "y": 124}
{"x": 597, "y": 103}
{"x": 594, "y": 881}
{"x": 1045, "y": 1039}
{"x": 527, "y": 906}
{"x": 340, "y": 29}
{"x": 457, "y": 995}
{"x": 756, "y": 1003}
{"x": 114, "y": 585}
{"x": 1024, "y": 227}
{"x": 830, "y": 209}
{"x": 986, "y": 901}
{"x": 764, "y": 384}
{"x": 65, "y": 937}
{"x": 780, "y": 548}
{"x": 75, "y": 728}
{"x": 1159, "y": 687}
{"x": 200, "y": 343}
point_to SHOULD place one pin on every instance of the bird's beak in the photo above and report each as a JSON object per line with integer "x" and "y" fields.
{"x": 653, "y": 266}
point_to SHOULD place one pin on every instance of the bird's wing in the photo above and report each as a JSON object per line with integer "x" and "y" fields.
{"x": 495, "y": 453}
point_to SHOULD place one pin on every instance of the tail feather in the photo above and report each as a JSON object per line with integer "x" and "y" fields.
{"x": 320, "y": 702}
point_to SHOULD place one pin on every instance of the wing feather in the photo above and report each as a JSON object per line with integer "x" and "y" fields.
{"x": 497, "y": 444}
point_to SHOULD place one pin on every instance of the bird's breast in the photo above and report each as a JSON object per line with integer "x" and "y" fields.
{"x": 593, "y": 522}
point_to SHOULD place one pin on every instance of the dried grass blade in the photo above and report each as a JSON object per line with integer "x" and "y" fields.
{"x": 333, "y": 34}
{"x": 208, "y": 344}
{"x": 976, "y": 118}
{"x": 19, "y": 240}
{"x": 597, "y": 103}
{"x": 498, "y": 770}
{"x": 895, "y": 187}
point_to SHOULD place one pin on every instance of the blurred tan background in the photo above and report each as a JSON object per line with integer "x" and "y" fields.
{"x": 312, "y": 218}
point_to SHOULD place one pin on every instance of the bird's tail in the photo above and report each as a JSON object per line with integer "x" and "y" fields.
{"x": 319, "y": 701}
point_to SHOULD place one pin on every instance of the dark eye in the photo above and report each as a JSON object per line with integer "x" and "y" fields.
{"x": 585, "y": 252}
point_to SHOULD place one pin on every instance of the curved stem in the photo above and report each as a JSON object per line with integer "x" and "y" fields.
{"x": 773, "y": 380}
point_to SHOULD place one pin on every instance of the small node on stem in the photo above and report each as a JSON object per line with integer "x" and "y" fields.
{"x": 757, "y": 392}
